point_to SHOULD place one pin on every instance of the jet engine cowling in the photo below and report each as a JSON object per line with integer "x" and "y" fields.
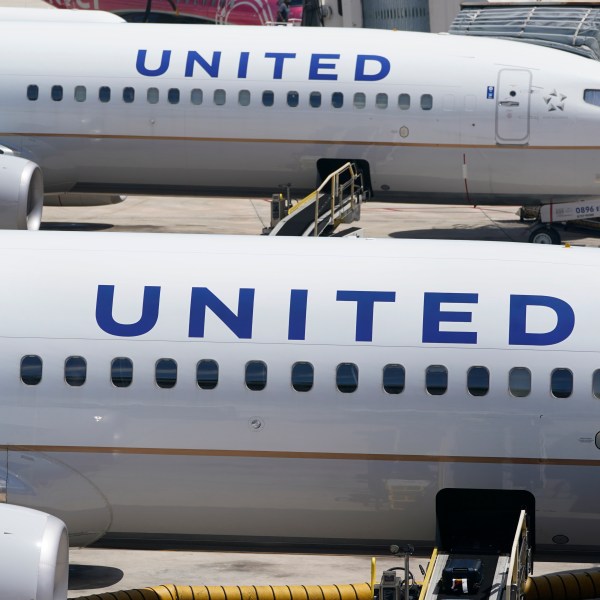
{"x": 21, "y": 193}
{"x": 35, "y": 555}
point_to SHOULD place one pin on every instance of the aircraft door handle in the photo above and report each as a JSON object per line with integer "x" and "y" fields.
{"x": 508, "y": 103}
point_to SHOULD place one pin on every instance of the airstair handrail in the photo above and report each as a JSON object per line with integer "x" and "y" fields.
{"x": 342, "y": 206}
{"x": 336, "y": 190}
{"x": 306, "y": 199}
{"x": 518, "y": 568}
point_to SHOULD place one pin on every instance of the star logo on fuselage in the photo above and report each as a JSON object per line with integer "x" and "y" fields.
{"x": 555, "y": 101}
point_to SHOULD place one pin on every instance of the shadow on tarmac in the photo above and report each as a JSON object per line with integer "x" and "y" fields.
{"x": 88, "y": 577}
{"x": 486, "y": 233}
{"x": 56, "y": 226}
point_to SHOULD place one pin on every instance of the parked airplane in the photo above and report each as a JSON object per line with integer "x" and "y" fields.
{"x": 267, "y": 391}
{"x": 233, "y": 12}
{"x": 162, "y": 109}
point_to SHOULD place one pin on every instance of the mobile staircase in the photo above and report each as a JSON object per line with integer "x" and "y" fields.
{"x": 336, "y": 201}
{"x": 484, "y": 552}
{"x": 499, "y": 575}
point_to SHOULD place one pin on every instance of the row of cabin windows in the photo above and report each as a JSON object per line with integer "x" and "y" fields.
{"x": 302, "y": 376}
{"x": 315, "y": 99}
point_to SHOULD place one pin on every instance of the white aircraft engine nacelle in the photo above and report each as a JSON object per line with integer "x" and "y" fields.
{"x": 34, "y": 547}
{"x": 21, "y": 193}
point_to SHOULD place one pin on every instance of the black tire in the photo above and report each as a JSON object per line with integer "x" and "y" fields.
{"x": 544, "y": 235}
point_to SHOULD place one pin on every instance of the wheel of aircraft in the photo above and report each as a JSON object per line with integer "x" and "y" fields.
{"x": 543, "y": 234}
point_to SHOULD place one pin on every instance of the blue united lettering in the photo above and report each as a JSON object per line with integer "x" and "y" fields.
{"x": 434, "y": 316}
{"x": 208, "y": 65}
{"x": 447, "y": 317}
{"x": 211, "y": 68}
{"x": 518, "y": 334}
{"x": 365, "y": 310}
{"x": 146, "y": 322}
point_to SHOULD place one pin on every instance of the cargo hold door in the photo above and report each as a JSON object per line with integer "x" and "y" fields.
{"x": 512, "y": 107}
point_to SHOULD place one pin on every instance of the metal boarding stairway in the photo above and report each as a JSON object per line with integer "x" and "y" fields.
{"x": 503, "y": 574}
{"x": 337, "y": 200}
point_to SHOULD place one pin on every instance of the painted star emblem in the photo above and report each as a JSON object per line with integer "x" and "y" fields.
{"x": 555, "y": 101}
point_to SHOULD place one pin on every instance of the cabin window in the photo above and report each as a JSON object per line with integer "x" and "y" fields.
{"x": 303, "y": 375}
{"x": 219, "y": 97}
{"x": 436, "y": 380}
{"x": 268, "y": 98}
{"x": 244, "y": 97}
{"x": 478, "y": 381}
{"x": 470, "y": 103}
{"x": 561, "y": 383}
{"x": 152, "y": 95}
{"x": 104, "y": 94}
{"x": 596, "y": 383}
{"x": 31, "y": 369}
{"x": 360, "y": 100}
{"x": 293, "y": 99}
{"x": 33, "y": 92}
{"x": 404, "y": 101}
{"x": 75, "y": 370}
{"x": 592, "y": 97}
{"x": 196, "y": 96}
{"x": 207, "y": 374}
{"x": 121, "y": 372}
{"x": 393, "y": 379}
{"x": 381, "y": 100}
{"x": 346, "y": 377}
{"x": 448, "y": 102}
{"x": 165, "y": 373}
{"x": 256, "y": 375}
{"x": 315, "y": 99}
{"x": 426, "y": 101}
{"x": 80, "y": 93}
{"x": 598, "y": 440}
{"x": 56, "y": 93}
{"x": 519, "y": 382}
{"x": 337, "y": 99}
{"x": 173, "y": 96}
{"x": 128, "y": 95}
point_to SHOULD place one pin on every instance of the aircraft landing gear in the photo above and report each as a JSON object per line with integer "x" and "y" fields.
{"x": 544, "y": 234}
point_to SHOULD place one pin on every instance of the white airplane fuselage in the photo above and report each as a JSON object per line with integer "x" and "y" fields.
{"x": 333, "y": 463}
{"x": 430, "y": 117}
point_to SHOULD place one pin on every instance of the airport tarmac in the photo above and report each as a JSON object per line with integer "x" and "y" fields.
{"x": 249, "y": 216}
{"x": 94, "y": 571}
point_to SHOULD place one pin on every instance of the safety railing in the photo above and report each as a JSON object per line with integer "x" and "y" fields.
{"x": 520, "y": 563}
{"x": 343, "y": 185}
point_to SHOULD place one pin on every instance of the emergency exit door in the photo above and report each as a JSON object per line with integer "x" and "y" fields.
{"x": 512, "y": 106}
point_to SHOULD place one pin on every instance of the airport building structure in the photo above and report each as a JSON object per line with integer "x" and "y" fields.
{"x": 441, "y": 14}
{"x": 414, "y": 15}
{"x": 406, "y": 15}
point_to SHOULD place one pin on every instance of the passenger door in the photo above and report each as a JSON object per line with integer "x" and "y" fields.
{"x": 512, "y": 106}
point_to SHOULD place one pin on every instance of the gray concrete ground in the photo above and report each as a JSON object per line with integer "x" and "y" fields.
{"x": 100, "y": 570}
{"x": 249, "y": 216}
{"x": 221, "y": 568}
